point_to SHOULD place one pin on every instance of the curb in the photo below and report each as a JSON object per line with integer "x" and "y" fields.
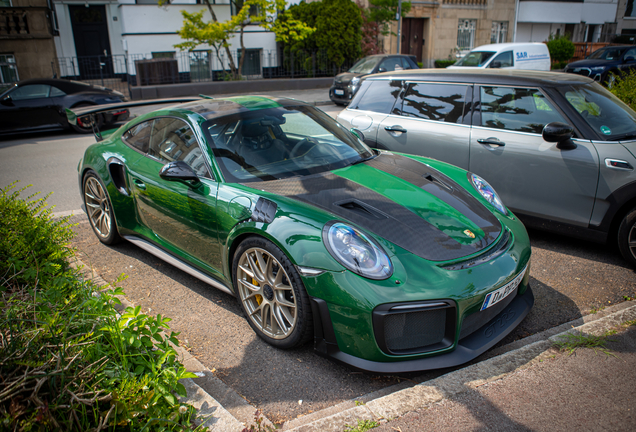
{"x": 388, "y": 406}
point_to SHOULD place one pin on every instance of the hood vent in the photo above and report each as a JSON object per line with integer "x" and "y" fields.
{"x": 437, "y": 181}
{"x": 362, "y": 209}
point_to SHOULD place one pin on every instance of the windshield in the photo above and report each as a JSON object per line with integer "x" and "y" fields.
{"x": 607, "y": 54}
{"x": 475, "y": 58}
{"x": 365, "y": 65}
{"x": 603, "y": 111}
{"x": 276, "y": 143}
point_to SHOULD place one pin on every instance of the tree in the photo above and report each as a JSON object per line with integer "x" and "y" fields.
{"x": 561, "y": 48}
{"x": 370, "y": 43}
{"x": 383, "y": 11}
{"x": 196, "y": 31}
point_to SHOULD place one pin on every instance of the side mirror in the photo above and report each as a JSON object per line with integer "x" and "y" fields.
{"x": 495, "y": 65}
{"x": 179, "y": 171}
{"x": 559, "y": 133}
{"x": 7, "y": 100}
{"x": 381, "y": 70}
{"x": 358, "y": 133}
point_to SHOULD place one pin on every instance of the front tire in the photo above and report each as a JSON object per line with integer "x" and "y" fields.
{"x": 271, "y": 294}
{"x": 99, "y": 209}
{"x": 627, "y": 237}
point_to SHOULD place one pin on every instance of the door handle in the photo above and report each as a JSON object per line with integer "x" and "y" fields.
{"x": 491, "y": 141}
{"x": 395, "y": 128}
{"x": 141, "y": 185}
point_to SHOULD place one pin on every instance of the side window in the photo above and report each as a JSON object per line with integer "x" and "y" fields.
{"x": 56, "y": 92}
{"x": 172, "y": 140}
{"x": 504, "y": 60}
{"x": 33, "y": 91}
{"x": 442, "y": 102}
{"x": 630, "y": 55}
{"x": 516, "y": 109}
{"x": 390, "y": 64}
{"x": 405, "y": 63}
{"x": 139, "y": 136}
{"x": 379, "y": 97}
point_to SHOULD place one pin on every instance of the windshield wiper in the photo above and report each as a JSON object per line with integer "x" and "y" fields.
{"x": 626, "y": 136}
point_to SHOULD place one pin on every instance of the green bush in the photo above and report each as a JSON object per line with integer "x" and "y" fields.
{"x": 558, "y": 65}
{"x": 561, "y": 48}
{"x": 444, "y": 63}
{"x": 624, "y": 88}
{"x": 68, "y": 360}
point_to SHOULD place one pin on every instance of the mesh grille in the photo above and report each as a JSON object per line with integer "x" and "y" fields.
{"x": 414, "y": 330}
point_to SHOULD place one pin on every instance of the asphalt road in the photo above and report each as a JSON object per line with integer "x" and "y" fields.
{"x": 570, "y": 278}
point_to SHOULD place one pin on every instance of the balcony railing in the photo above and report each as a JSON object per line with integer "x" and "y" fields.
{"x": 25, "y": 23}
{"x": 465, "y": 2}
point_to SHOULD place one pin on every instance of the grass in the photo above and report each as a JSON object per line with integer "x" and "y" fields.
{"x": 363, "y": 425}
{"x": 572, "y": 342}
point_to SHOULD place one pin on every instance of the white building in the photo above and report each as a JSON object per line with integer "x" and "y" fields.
{"x": 584, "y": 20}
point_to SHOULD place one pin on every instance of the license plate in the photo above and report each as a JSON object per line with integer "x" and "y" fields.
{"x": 503, "y": 292}
{"x": 339, "y": 92}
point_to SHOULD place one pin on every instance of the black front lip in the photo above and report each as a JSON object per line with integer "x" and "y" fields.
{"x": 467, "y": 349}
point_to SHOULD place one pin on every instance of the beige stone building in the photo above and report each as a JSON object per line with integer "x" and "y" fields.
{"x": 445, "y": 29}
{"x": 26, "y": 39}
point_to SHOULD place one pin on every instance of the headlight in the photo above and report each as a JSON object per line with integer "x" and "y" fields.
{"x": 356, "y": 251}
{"x": 355, "y": 81}
{"x": 597, "y": 69}
{"x": 487, "y": 192}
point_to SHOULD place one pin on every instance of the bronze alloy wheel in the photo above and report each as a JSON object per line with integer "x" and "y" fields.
{"x": 266, "y": 293}
{"x": 627, "y": 237}
{"x": 99, "y": 210}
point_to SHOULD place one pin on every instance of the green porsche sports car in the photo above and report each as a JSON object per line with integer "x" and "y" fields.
{"x": 390, "y": 263}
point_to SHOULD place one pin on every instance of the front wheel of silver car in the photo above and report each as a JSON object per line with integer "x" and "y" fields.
{"x": 99, "y": 209}
{"x": 627, "y": 237}
{"x": 271, "y": 294}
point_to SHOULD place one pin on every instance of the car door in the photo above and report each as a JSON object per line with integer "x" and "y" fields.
{"x": 432, "y": 120}
{"x": 181, "y": 216}
{"x": 28, "y": 107}
{"x": 629, "y": 60}
{"x": 532, "y": 176}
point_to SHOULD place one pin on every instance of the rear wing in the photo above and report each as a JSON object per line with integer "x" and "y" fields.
{"x": 91, "y": 111}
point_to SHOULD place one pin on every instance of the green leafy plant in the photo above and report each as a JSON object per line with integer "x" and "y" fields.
{"x": 258, "y": 425}
{"x": 444, "y": 63}
{"x": 561, "y": 48}
{"x": 572, "y": 342}
{"x": 68, "y": 360}
{"x": 624, "y": 87}
{"x": 363, "y": 426}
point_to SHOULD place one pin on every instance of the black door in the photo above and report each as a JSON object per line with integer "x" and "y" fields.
{"x": 412, "y": 33}
{"x": 31, "y": 107}
{"x": 90, "y": 32}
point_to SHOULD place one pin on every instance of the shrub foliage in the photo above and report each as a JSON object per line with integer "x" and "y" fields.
{"x": 561, "y": 48}
{"x": 624, "y": 88}
{"x": 68, "y": 360}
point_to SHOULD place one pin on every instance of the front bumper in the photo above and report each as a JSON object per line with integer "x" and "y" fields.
{"x": 343, "y": 98}
{"x": 466, "y": 349}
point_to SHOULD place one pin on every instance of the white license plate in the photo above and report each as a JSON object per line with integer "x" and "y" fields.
{"x": 339, "y": 92}
{"x": 503, "y": 292}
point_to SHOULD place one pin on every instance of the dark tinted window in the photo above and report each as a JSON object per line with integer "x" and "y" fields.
{"x": 139, "y": 136}
{"x": 390, "y": 64}
{"x": 33, "y": 91}
{"x": 517, "y": 109}
{"x": 173, "y": 140}
{"x": 442, "y": 102}
{"x": 379, "y": 97}
{"x": 504, "y": 59}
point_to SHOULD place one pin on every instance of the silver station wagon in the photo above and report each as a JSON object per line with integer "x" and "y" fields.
{"x": 558, "y": 148}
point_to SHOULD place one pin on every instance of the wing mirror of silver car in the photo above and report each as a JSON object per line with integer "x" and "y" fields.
{"x": 559, "y": 133}
{"x": 179, "y": 171}
{"x": 358, "y": 133}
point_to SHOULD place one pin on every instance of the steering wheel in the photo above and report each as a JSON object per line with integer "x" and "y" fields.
{"x": 299, "y": 145}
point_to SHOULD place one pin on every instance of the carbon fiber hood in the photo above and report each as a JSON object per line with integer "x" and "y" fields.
{"x": 417, "y": 208}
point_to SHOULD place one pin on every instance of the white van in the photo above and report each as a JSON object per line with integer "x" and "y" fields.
{"x": 533, "y": 56}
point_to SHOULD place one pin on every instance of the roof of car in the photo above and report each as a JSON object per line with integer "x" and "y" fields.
{"x": 488, "y": 76}
{"x": 221, "y": 107}
{"x": 502, "y": 46}
{"x": 67, "y": 86}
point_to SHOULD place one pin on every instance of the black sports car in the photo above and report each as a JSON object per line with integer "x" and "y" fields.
{"x": 39, "y": 104}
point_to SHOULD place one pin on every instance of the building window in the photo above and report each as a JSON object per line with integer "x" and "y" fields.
{"x": 630, "y": 10}
{"x": 466, "y": 34}
{"x": 163, "y": 54}
{"x": 237, "y": 5}
{"x": 499, "y": 32}
{"x": 8, "y": 69}
{"x": 5, "y": 3}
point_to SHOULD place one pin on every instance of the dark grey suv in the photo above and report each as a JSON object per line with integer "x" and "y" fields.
{"x": 558, "y": 148}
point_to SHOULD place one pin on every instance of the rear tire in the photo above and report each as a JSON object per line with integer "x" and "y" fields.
{"x": 627, "y": 237}
{"x": 99, "y": 209}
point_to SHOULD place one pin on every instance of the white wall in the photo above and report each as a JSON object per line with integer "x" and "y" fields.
{"x": 549, "y": 12}
{"x": 599, "y": 12}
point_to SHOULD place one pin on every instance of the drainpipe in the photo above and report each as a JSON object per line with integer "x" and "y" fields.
{"x": 514, "y": 35}
{"x": 399, "y": 20}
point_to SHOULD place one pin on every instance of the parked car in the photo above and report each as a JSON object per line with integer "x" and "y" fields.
{"x": 603, "y": 63}
{"x": 532, "y": 56}
{"x": 346, "y": 84}
{"x": 557, "y": 147}
{"x": 388, "y": 263}
{"x": 38, "y": 105}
